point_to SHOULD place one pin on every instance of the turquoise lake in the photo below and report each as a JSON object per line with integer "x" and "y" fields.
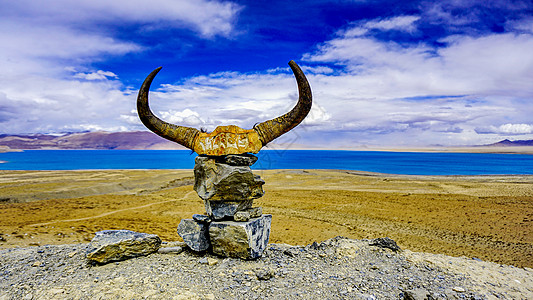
{"x": 372, "y": 161}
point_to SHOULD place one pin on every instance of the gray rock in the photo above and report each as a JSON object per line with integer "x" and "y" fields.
{"x": 241, "y": 216}
{"x": 247, "y": 214}
{"x": 219, "y": 210}
{"x": 385, "y": 243}
{"x": 246, "y": 240}
{"x": 264, "y": 273}
{"x": 417, "y": 294}
{"x": 218, "y": 181}
{"x": 208, "y": 261}
{"x": 201, "y": 218}
{"x": 238, "y": 159}
{"x": 170, "y": 250}
{"x": 195, "y": 234}
{"x": 293, "y": 251}
{"x": 117, "y": 245}
{"x": 255, "y": 212}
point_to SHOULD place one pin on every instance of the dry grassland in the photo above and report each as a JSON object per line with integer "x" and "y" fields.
{"x": 488, "y": 217}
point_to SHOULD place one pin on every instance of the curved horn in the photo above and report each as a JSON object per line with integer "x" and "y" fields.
{"x": 180, "y": 134}
{"x": 272, "y": 129}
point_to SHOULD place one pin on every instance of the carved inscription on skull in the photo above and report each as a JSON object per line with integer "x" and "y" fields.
{"x": 226, "y": 140}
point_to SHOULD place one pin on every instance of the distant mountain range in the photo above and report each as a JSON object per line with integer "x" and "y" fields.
{"x": 508, "y": 143}
{"x": 137, "y": 140}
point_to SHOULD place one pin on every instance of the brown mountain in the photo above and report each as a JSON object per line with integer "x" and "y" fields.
{"x": 137, "y": 140}
{"x": 508, "y": 143}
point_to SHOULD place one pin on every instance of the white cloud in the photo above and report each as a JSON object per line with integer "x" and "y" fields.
{"x": 400, "y": 23}
{"x": 43, "y": 104}
{"x": 226, "y": 98}
{"x": 47, "y": 50}
{"x": 209, "y": 18}
{"x": 516, "y": 128}
{"x": 317, "y": 116}
{"x": 396, "y": 92}
{"x": 498, "y": 63}
{"x": 524, "y": 25}
{"x": 29, "y": 49}
{"x": 186, "y": 117}
{"x": 98, "y": 75}
{"x": 507, "y": 129}
{"x": 404, "y": 23}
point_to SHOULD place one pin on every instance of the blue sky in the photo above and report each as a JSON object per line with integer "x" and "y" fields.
{"x": 383, "y": 73}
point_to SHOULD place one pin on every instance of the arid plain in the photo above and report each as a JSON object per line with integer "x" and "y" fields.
{"x": 487, "y": 217}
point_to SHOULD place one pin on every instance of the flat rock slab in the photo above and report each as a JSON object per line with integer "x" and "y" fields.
{"x": 219, "y": 210}
{"x": 219, "y": 181}
{"x": 195, "y": 234}
{"x": 117, "y": 245}
{"x": 237, "y": 159}
{"x": 201, "y": 218}
{"x": 245, "y": 215}
{"x": 246, "y": 240}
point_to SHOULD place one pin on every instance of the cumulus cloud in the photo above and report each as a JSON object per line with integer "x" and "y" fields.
{"x": 98, "y": 75}
{"x": 474, "y": 15}
{"x": 45, "y": 104}
{"x": 186, "y": 117}
{"x": 400, "y": 23}
{"x": 451, "y": 89}
{"x": 523, "y": 25}
{"x": 227, "y": 98}
{"x": 48, "y": 50}
{"x": 209, "y": 18}
{"x": 507, "y": 129}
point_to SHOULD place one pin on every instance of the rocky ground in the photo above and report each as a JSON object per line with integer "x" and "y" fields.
{"x": 479, "y": 217}
{"x": 338, "y": 268}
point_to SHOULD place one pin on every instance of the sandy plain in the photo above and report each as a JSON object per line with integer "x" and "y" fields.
{"x": 487, "y": 217}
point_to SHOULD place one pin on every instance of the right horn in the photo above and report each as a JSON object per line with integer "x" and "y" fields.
{"x": 180, "y": 134}
{"x": 272, "y": 129}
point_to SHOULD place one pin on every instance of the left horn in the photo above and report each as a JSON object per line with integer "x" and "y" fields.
{"x": 272, "y": 129}
{"x": 180, "y": 134}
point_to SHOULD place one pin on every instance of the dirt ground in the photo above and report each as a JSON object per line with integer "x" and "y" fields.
{"x": 487, "y": 217}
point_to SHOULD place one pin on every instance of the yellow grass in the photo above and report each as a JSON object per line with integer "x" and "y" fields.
{"x": 489, "y": 217}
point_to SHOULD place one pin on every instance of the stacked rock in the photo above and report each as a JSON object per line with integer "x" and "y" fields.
{"x": 231, "y": 226}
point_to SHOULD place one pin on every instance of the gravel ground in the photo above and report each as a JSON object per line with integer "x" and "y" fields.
{"x": 338, "y": 268}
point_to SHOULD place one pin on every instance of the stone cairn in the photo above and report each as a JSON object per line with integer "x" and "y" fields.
{"x": 231, "y": 227}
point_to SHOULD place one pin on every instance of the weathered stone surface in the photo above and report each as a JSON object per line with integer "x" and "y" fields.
{"x": 247, "y": 214}
{"x": 241, "y": 216}
{"x": 416, "y": 294}
{"x": 237, "y": 160}
{"x": 220, "y": 210}
{"x": 201, "y": 218}
{"x": 117, "y": 245}
{"x": 208, "y": 261}
{"x": 246, "y": 240}
{"x": 170, "y": 250}
{"x": 195, "y": 234}
{"x": 255, "y": 212}
{"x": 385, "y": 243}
{"x": 218, "y": 181}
